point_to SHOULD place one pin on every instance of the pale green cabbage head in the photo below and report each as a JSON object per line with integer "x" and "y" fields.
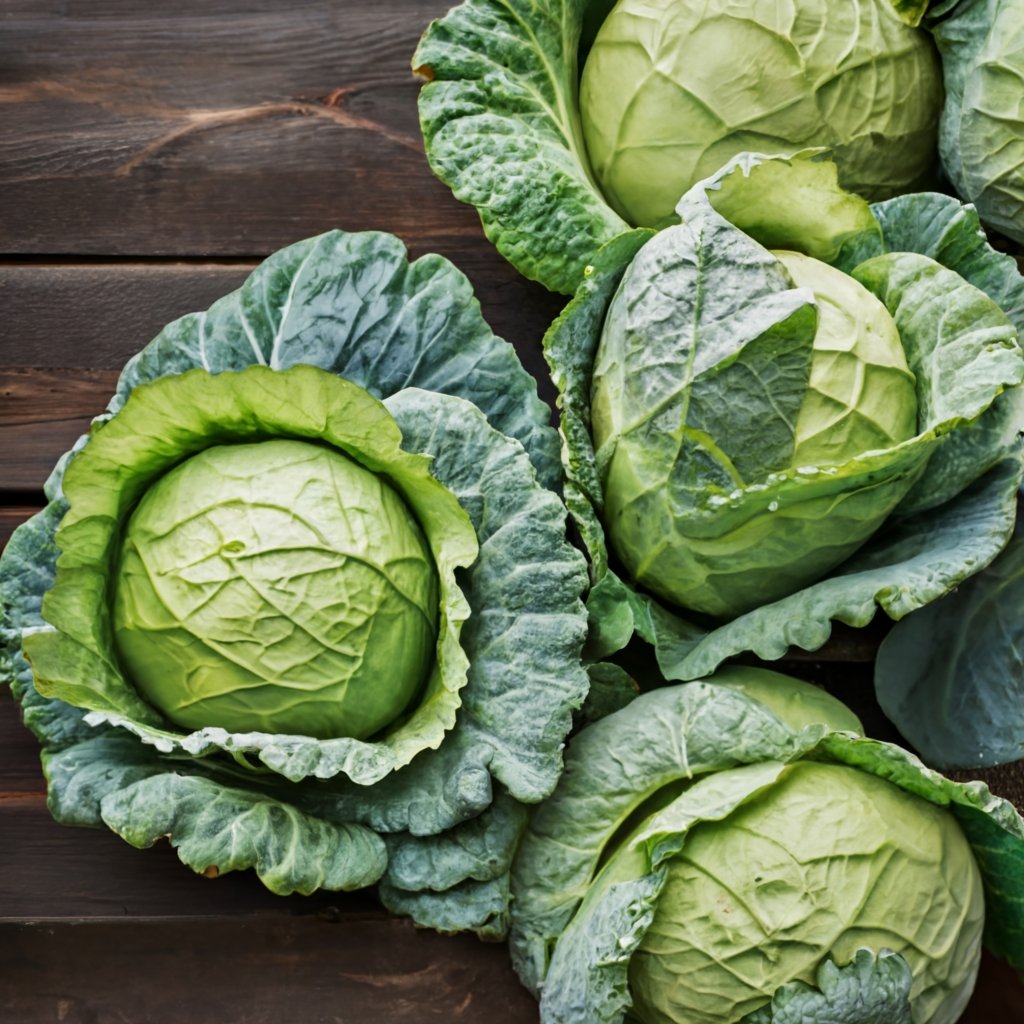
{"x": 827, "y": 861}
{"x": 844, "y": 392}
{"x": 673, "y": 89}
{"x": 860, "y": 392}
{"x": 278, "y": 586}
{"x": 767, "y": 386}
{"x": 736, "y": 851}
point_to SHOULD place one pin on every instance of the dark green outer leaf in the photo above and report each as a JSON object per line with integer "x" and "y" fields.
{"x": 459, "y": 879}
{"x": 26, "y": 571}
{"x": 481, "y": 907}
{"x": 353, "y": 304}
{"x": 868, "y": 990}
{"x": 951, "y": 676}
{"x": 615, "y": 927}
{"x": 526, "y": 629}
{"x": 981, "y": 133}
{"x": 951, "y": 331}
{"x": 500, "y": 121}
{"x": 950, "y": 233}
{"x": 213, "y": 825}
{"x": 112, "y": 779}
{"x": 569, "y": 348}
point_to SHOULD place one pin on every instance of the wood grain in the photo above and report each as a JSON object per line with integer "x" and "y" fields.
{"x": 97, "y": 315}
{"x": 352, "y": 968}
{"x": 254, "y": 970}
{"x": 283, "y": 119}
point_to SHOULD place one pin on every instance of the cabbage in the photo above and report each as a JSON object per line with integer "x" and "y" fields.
{"x": 277, "y": 585}
{"x": 302, "y": 599}
{"x": 565, "y": 122}
{"x": 757, "y": 444}
{"x": 735, "y": 850}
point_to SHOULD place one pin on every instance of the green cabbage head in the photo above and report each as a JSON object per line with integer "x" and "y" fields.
{"x": 276, "y": 564}
{"x": 278, "y": 585}
{"x": 770, "y": 386}
{"x": 734, "y": 851}
{"x": 302, "y": 601}
{"x": 827, "y": 861}
{"x": 673, "y": 89}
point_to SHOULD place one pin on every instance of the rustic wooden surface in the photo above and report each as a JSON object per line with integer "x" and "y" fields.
{"x": 152, "y": 155}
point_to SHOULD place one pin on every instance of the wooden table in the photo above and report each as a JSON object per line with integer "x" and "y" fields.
{"x": 151, "y": 155}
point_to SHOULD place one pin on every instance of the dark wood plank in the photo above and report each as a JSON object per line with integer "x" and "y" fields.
{"x": 43, "y": 413}
{"x": 353, "y": 968}
{"x": 1005, "y": 780}
{"x": 98, "y": 315}
{"x": 303, "y": 969}
{"x": 250, "y": 970}
{"x": 213, "y": 126}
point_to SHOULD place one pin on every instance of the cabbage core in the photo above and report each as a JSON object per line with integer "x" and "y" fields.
{"x": 277, "y": 586}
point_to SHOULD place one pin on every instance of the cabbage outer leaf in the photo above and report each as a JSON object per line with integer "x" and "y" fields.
{"x": 981, "y": 132}
{"x": 940, "y": 227}
{"x": 868, "y": 989}
{"x": 500, "y": 120}
{"x": 354, "y": 304}
{"x": 111, "y": 779}
{"x": 951, "y": 676}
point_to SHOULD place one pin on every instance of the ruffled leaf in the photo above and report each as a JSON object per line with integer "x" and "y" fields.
{"x": 868, "y": 989}
{"x": 951, "y": 676}
{"x": 501, "y": 127}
